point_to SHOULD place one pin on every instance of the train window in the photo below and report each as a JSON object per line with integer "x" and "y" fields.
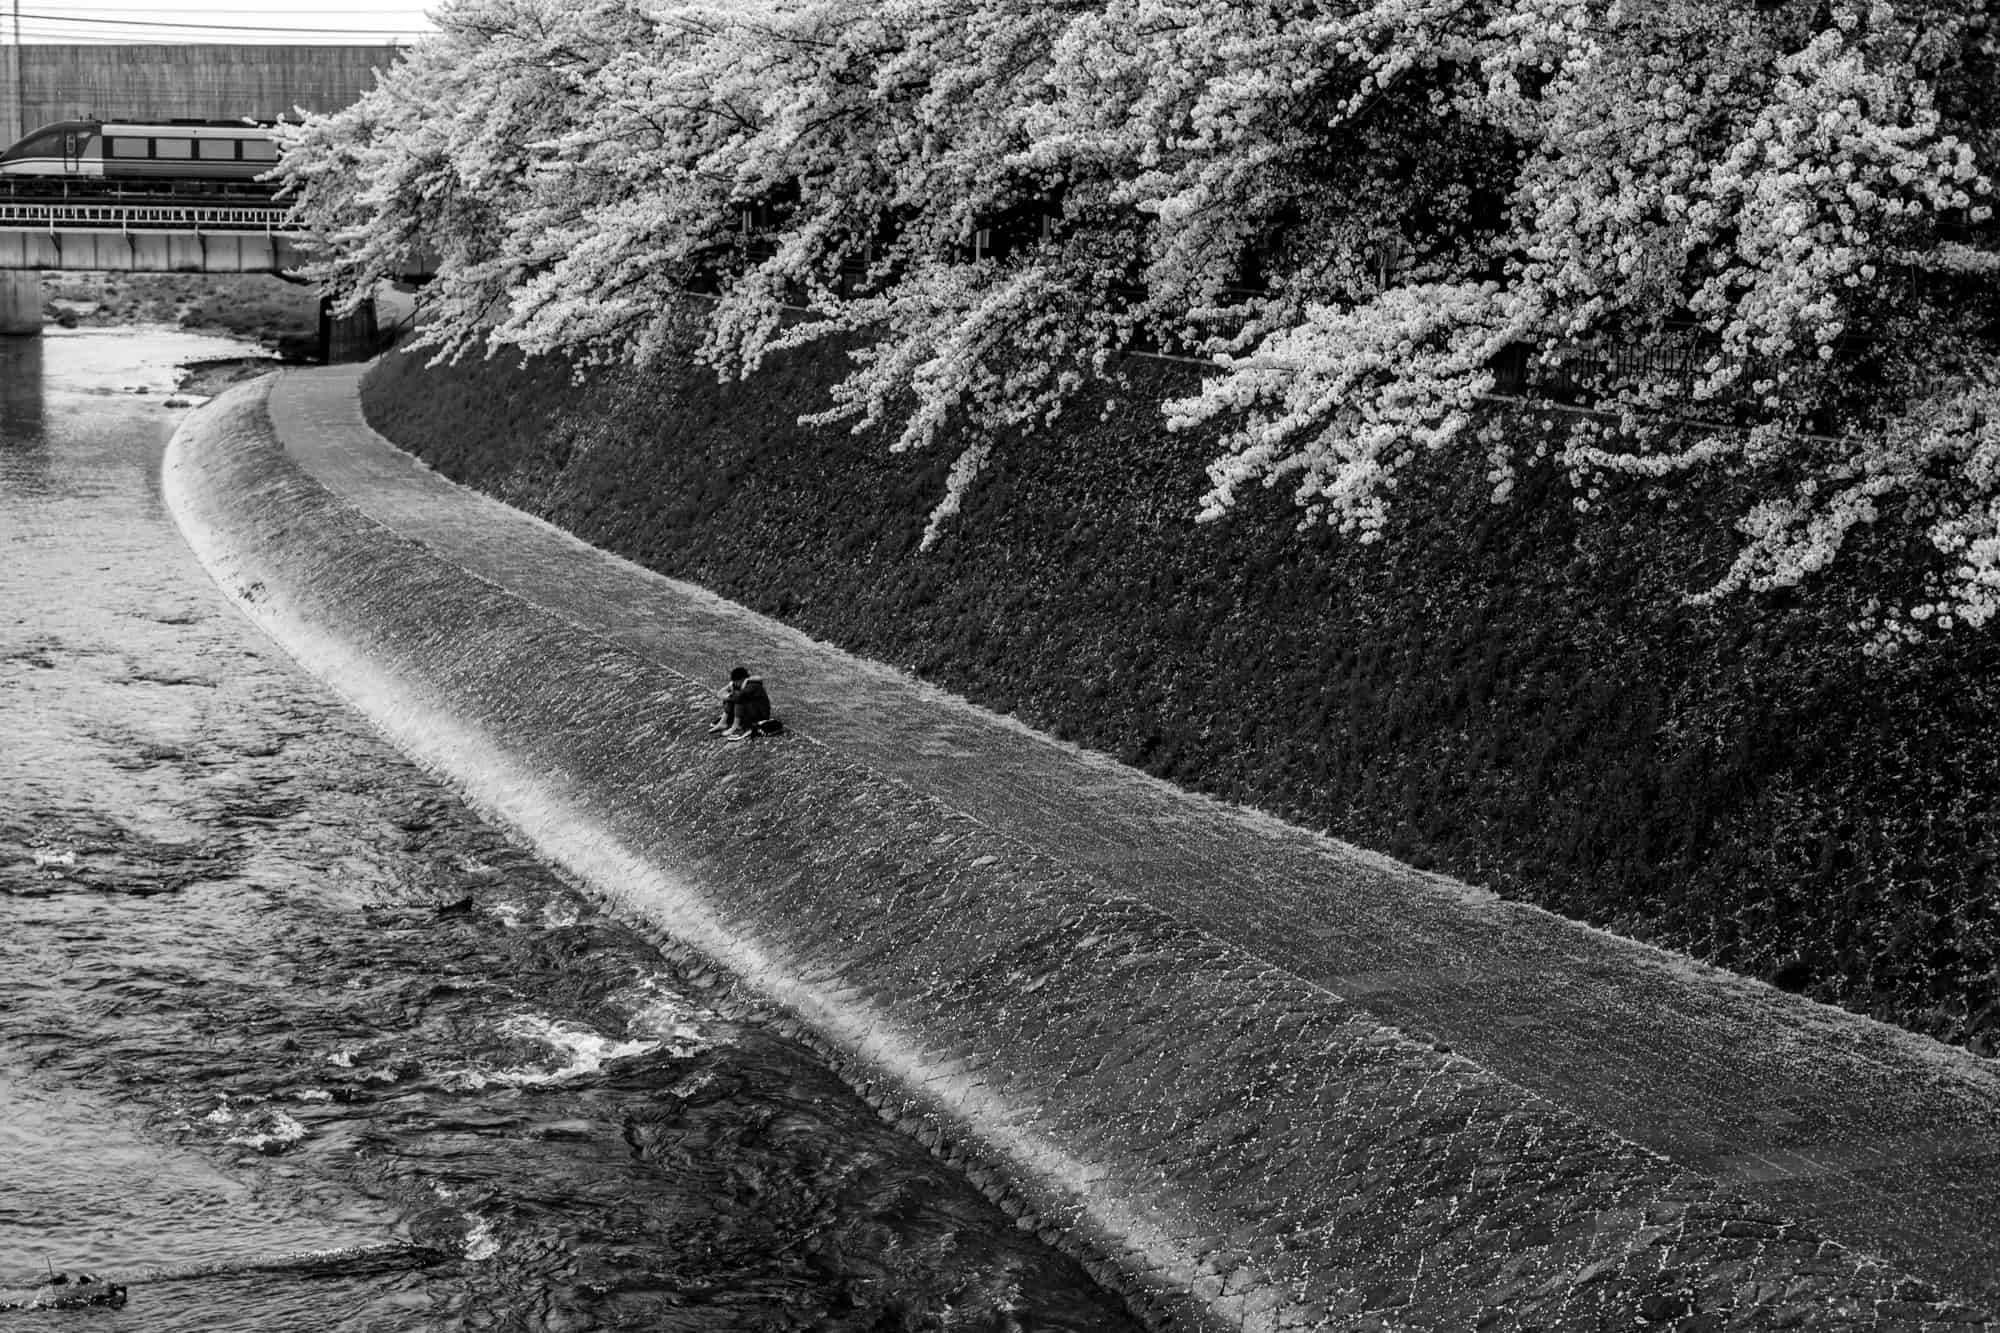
{"x": 215, "y": 150}
{"x": 124, "y": 145}
{"x": 46, "y": 144}
{"x": 173, "y": 148}
{"x": 259, "y": 150}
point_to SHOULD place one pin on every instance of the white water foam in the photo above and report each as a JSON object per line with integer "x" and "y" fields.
{"x": 480, "y": 1243}
{"x": 668, "y": 1017}
{"x": 265, "y": 1128}
{"x": 574, "y": 1052}
{"x": 580, "y": 1050}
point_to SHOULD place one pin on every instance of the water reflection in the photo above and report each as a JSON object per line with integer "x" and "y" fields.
{"x": 23, "y": 443}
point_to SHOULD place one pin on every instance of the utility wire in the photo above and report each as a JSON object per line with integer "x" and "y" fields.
{"x": 65, "y": 19}
{"x": 202, "y": 11}
{"x": 53, "y": 37}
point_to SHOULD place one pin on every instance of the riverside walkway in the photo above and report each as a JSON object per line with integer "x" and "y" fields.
{"x": 1840, "y": 1128}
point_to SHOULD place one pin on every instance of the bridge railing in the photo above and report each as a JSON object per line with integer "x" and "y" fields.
{"x": 101, "y": 216}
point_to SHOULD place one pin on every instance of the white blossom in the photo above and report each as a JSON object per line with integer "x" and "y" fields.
{"x": 1357, "y": 212}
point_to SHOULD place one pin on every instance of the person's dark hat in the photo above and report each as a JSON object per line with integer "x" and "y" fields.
{"x": 739, "y": 673}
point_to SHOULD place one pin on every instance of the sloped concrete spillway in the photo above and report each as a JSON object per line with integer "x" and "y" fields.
{"x": 1226, "y": 1143}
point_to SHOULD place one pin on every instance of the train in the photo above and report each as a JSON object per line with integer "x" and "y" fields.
{"x": 198, "y": 155}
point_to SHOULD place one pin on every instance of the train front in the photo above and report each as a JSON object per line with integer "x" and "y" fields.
{"x": 66, "y": 150}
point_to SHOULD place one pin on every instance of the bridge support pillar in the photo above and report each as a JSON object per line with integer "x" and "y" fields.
{"x": 346, "y": 337}
{"x": 20, "y": 302}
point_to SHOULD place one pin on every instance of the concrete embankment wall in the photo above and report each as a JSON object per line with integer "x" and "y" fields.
{"x": 1227, "y": 1145}
{"x": 221, "y": 81}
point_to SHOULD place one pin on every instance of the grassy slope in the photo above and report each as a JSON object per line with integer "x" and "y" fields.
{"x": 1512, "y": 695}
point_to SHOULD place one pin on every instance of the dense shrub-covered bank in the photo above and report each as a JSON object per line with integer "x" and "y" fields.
{"x": 1514, "y": 695}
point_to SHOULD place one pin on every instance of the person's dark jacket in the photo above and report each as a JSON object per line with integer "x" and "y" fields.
{"x": 748, "y": 704}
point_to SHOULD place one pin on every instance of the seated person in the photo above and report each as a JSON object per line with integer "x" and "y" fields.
{"x": 744, "y": 707}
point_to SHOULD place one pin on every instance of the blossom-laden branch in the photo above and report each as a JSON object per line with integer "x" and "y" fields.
{"x": 1356, "y": 210}
{"x": 1379, "y": 383}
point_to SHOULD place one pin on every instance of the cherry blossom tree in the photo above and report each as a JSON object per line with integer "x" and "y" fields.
{"x": 1364, "y": 214}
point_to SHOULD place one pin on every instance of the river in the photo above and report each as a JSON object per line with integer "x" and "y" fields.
{"x": 290, "y": 1039}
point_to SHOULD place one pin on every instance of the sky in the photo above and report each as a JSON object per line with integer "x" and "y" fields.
{"x": 357, "y": 22}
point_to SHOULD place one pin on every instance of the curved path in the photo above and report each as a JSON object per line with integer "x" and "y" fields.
{"x": 1356, "y": 1092}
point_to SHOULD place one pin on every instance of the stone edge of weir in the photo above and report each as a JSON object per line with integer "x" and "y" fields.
{"x": 1222, "y": 1143}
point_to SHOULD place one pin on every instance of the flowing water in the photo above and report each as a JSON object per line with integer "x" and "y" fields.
{"x": 289, "y": 1039}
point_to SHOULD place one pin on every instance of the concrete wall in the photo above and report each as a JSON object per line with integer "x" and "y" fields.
{"x": 39, "y": 84}
{"x": 11, "y": 104}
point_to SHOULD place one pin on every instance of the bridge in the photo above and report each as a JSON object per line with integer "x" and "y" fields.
{"x": 150, "y": 237}
{"x": 44, "y": 83}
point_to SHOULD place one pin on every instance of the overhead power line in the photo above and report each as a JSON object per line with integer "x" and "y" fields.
{"x": 199, "y": 12}
{"x": 64, "y": 20}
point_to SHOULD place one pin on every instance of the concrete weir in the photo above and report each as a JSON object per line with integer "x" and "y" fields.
{"x": 1228, "y": 1145}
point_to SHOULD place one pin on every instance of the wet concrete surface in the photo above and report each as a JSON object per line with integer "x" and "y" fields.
{"x": 1282, "y": 1081}
{"x": 1881, "y": 1140}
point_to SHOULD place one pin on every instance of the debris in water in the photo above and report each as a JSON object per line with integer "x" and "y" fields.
{"x": 59, "y": 1291}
